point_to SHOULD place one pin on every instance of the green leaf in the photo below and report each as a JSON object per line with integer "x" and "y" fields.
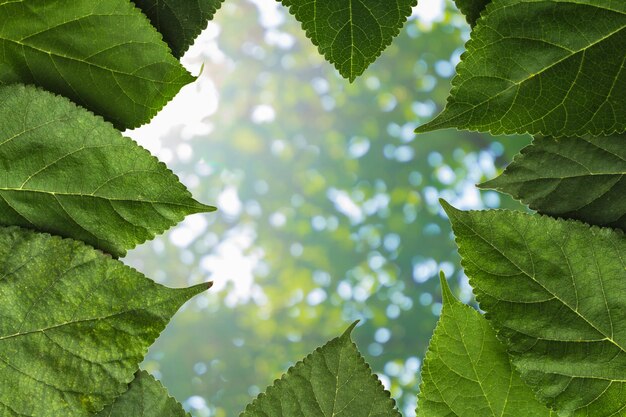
{"x": 65, "y": 171}
{"x": 472, "y": 9}
{"x": 542, "y": 67}
{"x": 351, "y": 34}
{"x": 104, "y": 55}
{"x": 554, "y": 291}
{"x": 578, "y": 178}
{"x": 334, "y": 381}
{"x": 146, "y": 397}
{"x": 75, "y": 324}
{"x": 179, "y": 21}
{"x": 467, "y": 372}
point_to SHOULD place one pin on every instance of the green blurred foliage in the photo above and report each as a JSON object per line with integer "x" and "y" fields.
{"x": 333, "y": 208}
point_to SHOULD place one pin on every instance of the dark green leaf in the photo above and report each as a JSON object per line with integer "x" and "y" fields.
{"x": 542, "y": 67}
{"x": 334, "y": 381}
{"x": 179, "y": 21}
{"x": 467, "y": 372}
{"x": 472, "y": 9}
{"x": 75, "y": 324}
{"x": 351, "y": 34}
{"x": 145, "y": 397}
{"x": 103, "y": 54}
{"x": 65, "y": 171}
{"x": 554, "y": 291}
{"x": 579, "y": 178}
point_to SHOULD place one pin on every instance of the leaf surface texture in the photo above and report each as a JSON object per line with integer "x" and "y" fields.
{"x": 351, "y": 34}
{"x": 146, "y": 397}
{"x": 578, "y": 178}
{"x": 67, "y": 346}
{"x": 179, "y": 21}
{"x": 333, "y": 381}
{"x": 554, "y": 291}
{"x": 103, "y": 54}
{"x": 67, "y": 172}
{"x": 467, "y": 371}
{"x": 545, "y": 67}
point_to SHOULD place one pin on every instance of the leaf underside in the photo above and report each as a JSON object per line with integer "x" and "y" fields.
{"x": 103, "y": 54}
{"x": 146, "y": 397}
{"x": 67, "y": 347}
{"x": 578, "y": 178}
{"x": 334, "y": 380}
{"x": 351, "y": 34}
{"x": 526, "y": 71}
{"x": 554, "y": 291}
{"x": 65, "y": 171}
{"x": 467, "y": 372}
{"x": 179, "y": 21}
{"x": 472, "y": 9}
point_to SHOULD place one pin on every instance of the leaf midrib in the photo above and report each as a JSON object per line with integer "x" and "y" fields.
{"x": 124, "y": 200}
{"x": 69, "y": 323}
{"x": 92, "y": 64}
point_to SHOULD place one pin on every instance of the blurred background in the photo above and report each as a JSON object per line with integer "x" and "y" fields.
{"x": 328, "y": 204}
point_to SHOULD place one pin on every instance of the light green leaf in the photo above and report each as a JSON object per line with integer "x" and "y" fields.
{"x": 103, "y": 54}
{"x": 467, "y": 372}
{"x": 472, "y": 9}
{"x": 526, "y": 71}
{"x": 75, "y": 324}
{"x": 334, "y": 381}
{"x": 146, "y": 397}
{"x": 351, "y": 34}
{"x": 179, "y": 21}
{"x": 65, "y": 171}
{"x": 554, "y": 291}
{"x": 578, "y": 178}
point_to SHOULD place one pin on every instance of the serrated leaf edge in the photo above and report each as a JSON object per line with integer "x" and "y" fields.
{"x": 202, "y": 208}
{"x": 353, "y": 75}
{"x": 156, "y": 110}
{"x": 360, "y": 358}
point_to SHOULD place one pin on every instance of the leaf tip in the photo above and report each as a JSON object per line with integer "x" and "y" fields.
{"x": 448, "y": 208}
{"x": 349, "y": 330}
{"x": 430, "y": 126}
{"x": 205, "y": 208}
{"x": 425, "y": 128}
{"x": 446, "y": 294}
{"x": 200, "y": 288}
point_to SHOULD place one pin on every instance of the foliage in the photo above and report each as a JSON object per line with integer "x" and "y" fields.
{"x": 75, "y": 324}
{"x": 334, "y": 380}
{"x": 467, "y": 371}
{"x": 577, "y": 178}
{"x": 551, "y": 288}
{"x": 320, "y": 269}
{"x": 103, "y": 54}
{"x": 78, "y": 322}
{"x": 72, "y": 174}
{"x": 102, "y": 189}
{"x": 351, "y": 34}
{"x": 554, "y": 291}
{"x": 526, "y": 72}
